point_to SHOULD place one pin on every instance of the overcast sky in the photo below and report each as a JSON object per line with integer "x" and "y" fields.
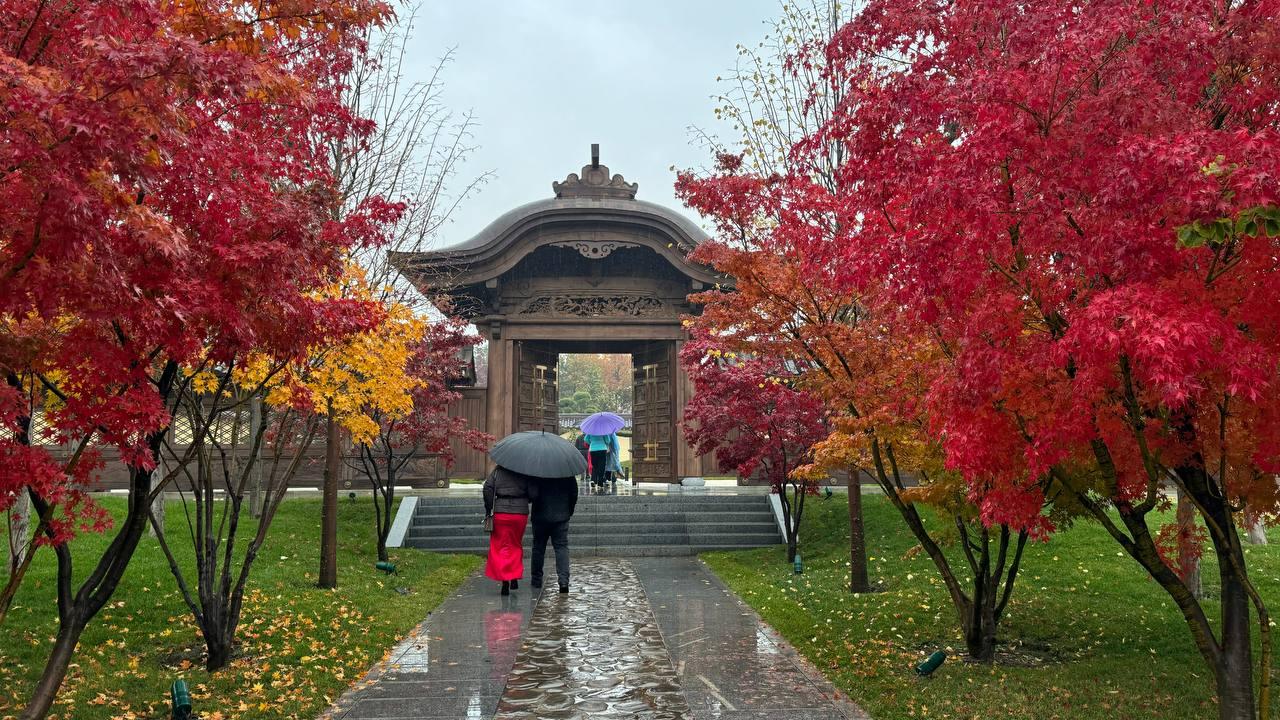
{"x": 546, "y": 78}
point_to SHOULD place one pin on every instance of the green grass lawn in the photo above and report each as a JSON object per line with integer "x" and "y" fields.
{"x": 1108, "y": 639}
{"x": 302, "y": 646}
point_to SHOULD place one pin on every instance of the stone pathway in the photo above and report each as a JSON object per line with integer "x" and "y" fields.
{"x": 730, "y": 664}
{"x": 642, "y": 638}
{"x": 596, "y": 653}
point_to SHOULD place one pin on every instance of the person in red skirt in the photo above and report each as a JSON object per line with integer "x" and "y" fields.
{"x": 506, "y": 498}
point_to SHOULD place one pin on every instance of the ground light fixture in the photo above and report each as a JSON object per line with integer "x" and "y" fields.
{"x": 180, "y": 697}
{"x": 931, "y": 663}
{"x": 386, "y": 567}
{"x": 799, "y": 566}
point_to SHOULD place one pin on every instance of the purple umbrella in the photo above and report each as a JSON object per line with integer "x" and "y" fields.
{"x": 602, "y": 423}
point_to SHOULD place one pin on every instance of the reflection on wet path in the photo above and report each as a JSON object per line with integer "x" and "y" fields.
{"x": 644, "y": 638}
{"x": 454, "y": 665}
{"x": 596, "y": 652}
{"x": 730, "y": 664}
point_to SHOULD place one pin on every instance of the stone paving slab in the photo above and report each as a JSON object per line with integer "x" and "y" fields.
{"x": 453, "y": 665}
{"x": 732, "y": 665}
{"x": 637, "y": 638}
{"x": 594, "y": 653}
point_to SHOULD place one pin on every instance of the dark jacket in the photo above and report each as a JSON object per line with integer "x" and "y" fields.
{"x": 507, "y": 492}
{"x": 555, "y": 500}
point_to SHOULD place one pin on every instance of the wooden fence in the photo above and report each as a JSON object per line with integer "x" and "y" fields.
{"x": 426, "y": 471}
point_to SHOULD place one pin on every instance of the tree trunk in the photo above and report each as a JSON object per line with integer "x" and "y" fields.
{"x": 1188, "y": 561}
{"x": 859, "y": 580}
{"x": 25, "y": 553}
{"x": 19, "y": 531}
{"x": 1257, "y": 533}
{"x": 219, "y": 652}
{"x": 329, "y": 508}
{"x": 77, "y": 608}
{"x": 387, "y": 499}
{"x": 1234, "y": 675}
{"x": 255, "y": 480}
{"x": 1233, "y": 662}
{"x": 157, "y": 510}
{"x": 64, "y": 647}
{"x": 980, "y": 632}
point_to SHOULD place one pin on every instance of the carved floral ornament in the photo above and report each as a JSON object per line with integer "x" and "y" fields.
{"x": 595, "y": 249}
{"x": 586, "y": 305}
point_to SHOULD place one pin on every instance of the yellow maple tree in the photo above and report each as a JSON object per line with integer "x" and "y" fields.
{"x": 358, "y": 377}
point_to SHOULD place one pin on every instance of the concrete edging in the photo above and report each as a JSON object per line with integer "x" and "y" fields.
{"x": 404, "y": 518}
{"x": 775, "y": 504}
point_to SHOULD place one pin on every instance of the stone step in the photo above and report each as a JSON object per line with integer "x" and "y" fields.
{"x": 452, "y": 544}
{"x": 428, "y": 511}
{"x": 609, "y": 550}
{"x": 584, "y": 529}
{"x": 617, "y": 503}
{"x": 584, "y": 496}
{"x": 577, "y": 527}
{"x": 457, "y": 543}
{"x": 436, "y": 516}
{"x": 603, "y": 551}
{"x": 739, "y": 539}
{"x": 586, "y": 515}
{"x": 613, "y": 525}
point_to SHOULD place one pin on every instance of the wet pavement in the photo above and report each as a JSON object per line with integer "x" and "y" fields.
{"x": 642, "y": 638}
{"x": 730, "y": 664}
{"x": 596, "y": 652}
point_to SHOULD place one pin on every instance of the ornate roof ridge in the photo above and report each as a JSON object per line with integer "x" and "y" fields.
{"x": 595, "y": 182}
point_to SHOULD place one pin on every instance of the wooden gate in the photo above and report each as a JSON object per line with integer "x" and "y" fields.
{"x": 538, "y": 401}
{"x": 653, "y": 414}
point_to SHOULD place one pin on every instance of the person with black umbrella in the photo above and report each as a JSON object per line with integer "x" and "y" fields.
{"x": 553, "y": 506}
{"x": 525, "y": 460}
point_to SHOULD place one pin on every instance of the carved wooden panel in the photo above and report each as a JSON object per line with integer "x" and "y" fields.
{"x": 583, "y": 305}
{"x": 653, "y": 442}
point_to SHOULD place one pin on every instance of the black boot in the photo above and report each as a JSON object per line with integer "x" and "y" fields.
{"x": 515, "y": 584}
{"x": 564, "y": 588}
{"x": 506, "y": 588}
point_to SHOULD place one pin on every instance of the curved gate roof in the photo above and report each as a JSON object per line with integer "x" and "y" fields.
{"x": 593, "y": 209}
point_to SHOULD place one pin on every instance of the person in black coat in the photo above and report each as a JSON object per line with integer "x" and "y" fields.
{"x": 553, "y": 505}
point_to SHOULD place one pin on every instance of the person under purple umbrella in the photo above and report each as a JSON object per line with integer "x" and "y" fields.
{"x": 601, "y": 435}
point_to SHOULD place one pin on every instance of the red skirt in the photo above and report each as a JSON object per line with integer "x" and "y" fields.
{"x": 506, "y": 547}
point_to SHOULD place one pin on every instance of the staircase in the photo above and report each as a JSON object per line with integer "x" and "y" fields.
{"x": 613, "y": 525}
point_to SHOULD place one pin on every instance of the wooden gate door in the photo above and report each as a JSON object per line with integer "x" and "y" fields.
{"x": 653, "y": 413}
{"x": 538, "y": 399}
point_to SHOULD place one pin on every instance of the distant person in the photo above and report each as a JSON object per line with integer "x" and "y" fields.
{"x": 506, "y": 498}
{"x": 581, "y": 444}
{"x": 600, "y": 446}
{"x": 615, "y": 467}
{"x": 553, "y": 506}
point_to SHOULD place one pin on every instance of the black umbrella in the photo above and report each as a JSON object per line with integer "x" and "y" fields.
{"x": 539, "y": 454}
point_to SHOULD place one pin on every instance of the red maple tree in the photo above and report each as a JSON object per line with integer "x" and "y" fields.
{"x": 167, "y": 198}
{"x": 746, "y": 411}
{"x": 1080, "y": 203}
{"x": 791, "y": 301}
